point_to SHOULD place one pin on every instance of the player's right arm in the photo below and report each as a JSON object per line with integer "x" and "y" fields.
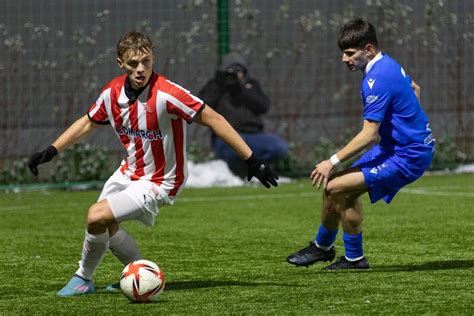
{"x": 73, "y": 134}
{"x": 366, "y": 137}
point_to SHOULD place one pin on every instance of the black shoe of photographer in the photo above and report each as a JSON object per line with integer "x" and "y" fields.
{"x": 343, "y": 264}
{"x": 310, "y": 255}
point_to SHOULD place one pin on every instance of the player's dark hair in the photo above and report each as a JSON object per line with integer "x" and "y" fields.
{"x": 356, "y": 34}
{"x": 135, "y": 42}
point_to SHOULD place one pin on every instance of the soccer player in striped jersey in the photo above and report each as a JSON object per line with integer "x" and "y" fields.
{"x": 148, "y": 114}
{"x": 393, "y": 114}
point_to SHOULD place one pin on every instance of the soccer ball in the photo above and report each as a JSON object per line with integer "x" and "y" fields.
{"x": 142, "y": 281}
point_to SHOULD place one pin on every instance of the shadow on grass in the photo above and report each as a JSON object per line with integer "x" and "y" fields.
{"x": 426, "y": 266}
{"x": 200, "y": 284}
{"x": 433, "y": 265}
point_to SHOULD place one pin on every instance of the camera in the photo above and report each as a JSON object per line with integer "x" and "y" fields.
{"x": 230, "y": 77}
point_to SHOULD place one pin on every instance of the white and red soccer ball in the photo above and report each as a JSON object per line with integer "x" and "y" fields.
{"x": 142, "y": 281}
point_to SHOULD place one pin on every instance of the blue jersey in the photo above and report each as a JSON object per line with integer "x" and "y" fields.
{"x": 390, "y": 100}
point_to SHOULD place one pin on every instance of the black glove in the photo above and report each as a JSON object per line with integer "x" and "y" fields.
{"x": 41, "y": 157}
{"x": 263, "y": 172}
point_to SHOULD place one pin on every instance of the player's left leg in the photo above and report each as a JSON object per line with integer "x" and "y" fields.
{"x": 351, "y": 220}
{"x": 124, "y": 248}
{"x": 342, "y": 184}
{"x": 345, "y": 188}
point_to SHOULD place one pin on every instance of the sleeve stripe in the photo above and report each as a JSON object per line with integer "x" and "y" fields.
{"x": 97, "y": 106}
{"x": 100, "y": 123}
{"x": 163, "y": 96}
{"x": 187, "y": 92}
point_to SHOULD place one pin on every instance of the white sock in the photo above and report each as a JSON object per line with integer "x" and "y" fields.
{"x": 124, "y": 247}
{"x": 93, "y": 250}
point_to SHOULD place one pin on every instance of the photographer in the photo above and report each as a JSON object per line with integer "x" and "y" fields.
{"x": 239, "y": 98}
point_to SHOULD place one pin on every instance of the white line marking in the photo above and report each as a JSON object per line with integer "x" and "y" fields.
{"x": 417, "y": 191}
{"x": 27, "y": 207}
{"x": 246, "y": 197}
{"x": 422, "y": 191}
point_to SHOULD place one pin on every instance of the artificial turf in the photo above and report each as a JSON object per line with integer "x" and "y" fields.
{"x": 223, "y": 251}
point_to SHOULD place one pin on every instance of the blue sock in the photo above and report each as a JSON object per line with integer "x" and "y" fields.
{"x": 353, "y": 246}
{"x": 325, "y": 237}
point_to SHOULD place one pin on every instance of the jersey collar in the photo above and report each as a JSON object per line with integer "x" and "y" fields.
{"x": 373, "y": 61}
{"x": 128, "y": 94}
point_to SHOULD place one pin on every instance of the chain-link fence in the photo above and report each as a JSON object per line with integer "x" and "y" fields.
{"x": 56, "y": 55}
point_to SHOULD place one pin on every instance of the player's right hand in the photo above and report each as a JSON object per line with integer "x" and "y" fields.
{"x": 41, "y": 157}
{"x": 321, "y": 173}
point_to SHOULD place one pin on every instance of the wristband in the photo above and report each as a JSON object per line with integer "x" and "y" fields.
{"x": 334, "y": 160}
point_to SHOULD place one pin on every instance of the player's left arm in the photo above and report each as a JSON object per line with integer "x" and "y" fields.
{"x": 222, "y": 129}
{"x": 366, "y": 137}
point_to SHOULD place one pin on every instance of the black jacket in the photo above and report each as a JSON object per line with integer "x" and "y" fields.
{"x": 241, "y": 102}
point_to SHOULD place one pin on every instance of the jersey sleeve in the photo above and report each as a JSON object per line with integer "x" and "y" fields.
{"x": 376, "y": 99}
{"x": 182, "y": 103}
{"x": 97, "y": 112}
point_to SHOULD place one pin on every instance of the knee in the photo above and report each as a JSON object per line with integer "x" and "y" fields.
{"x": 352, "y": 222}
{"x": 96, "y": 218}
{"x": 332, "y": 203}
{"x": 333, "y": 192}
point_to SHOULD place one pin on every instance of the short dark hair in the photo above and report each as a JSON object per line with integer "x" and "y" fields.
{"x": 356, "y": 34}
{"x": 135, "y": 42}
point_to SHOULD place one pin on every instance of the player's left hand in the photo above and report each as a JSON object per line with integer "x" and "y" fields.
{"x": 321, "y": 173}
{"x": 263, "y": 172}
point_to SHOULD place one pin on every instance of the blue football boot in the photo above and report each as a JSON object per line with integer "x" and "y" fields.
{"x": 77, "y": 286}
{"x": 113, "y": 288}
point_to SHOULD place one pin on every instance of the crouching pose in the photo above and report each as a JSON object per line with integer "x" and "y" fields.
{"x": 148, "y": 114}
{"x": 392, "y": 112}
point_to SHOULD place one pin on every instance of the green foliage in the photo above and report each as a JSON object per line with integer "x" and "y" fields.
{"x": 15, "y": 173}
{"x": 197, "y": 153}
{"x": 223, "y": 252}
{"x": 290, "y": 166}
{"x": 82, "y": 162}
{"x": 445, "y": 154}
{"x": 325, "y": 148}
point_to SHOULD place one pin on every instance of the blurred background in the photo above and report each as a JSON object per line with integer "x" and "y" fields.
{"x": 56, "y": 55}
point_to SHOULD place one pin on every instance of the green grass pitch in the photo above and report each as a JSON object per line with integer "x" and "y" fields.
{"x": 223, "y": 251}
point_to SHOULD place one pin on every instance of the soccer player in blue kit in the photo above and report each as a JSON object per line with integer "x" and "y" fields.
{"x": 393, "y": 115}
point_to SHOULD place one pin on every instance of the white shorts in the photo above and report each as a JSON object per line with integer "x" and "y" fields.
{"x": 138, "y": 200}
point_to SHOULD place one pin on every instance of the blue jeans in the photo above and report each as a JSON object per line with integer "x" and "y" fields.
{"x": 268, "y": 147}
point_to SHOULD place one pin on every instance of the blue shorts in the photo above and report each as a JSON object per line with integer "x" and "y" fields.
{"x": 386, "y": 173}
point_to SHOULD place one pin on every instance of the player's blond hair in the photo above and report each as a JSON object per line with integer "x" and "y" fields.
{"x": 134, "y": 42}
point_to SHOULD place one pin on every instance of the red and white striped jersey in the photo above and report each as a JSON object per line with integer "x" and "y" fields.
{"x": 153, "y": 133}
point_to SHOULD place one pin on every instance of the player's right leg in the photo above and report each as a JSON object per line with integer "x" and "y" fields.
{"x": 121, "y": 244}
{"x": 96, "y": 243}
{"x": 139, "y": 201}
